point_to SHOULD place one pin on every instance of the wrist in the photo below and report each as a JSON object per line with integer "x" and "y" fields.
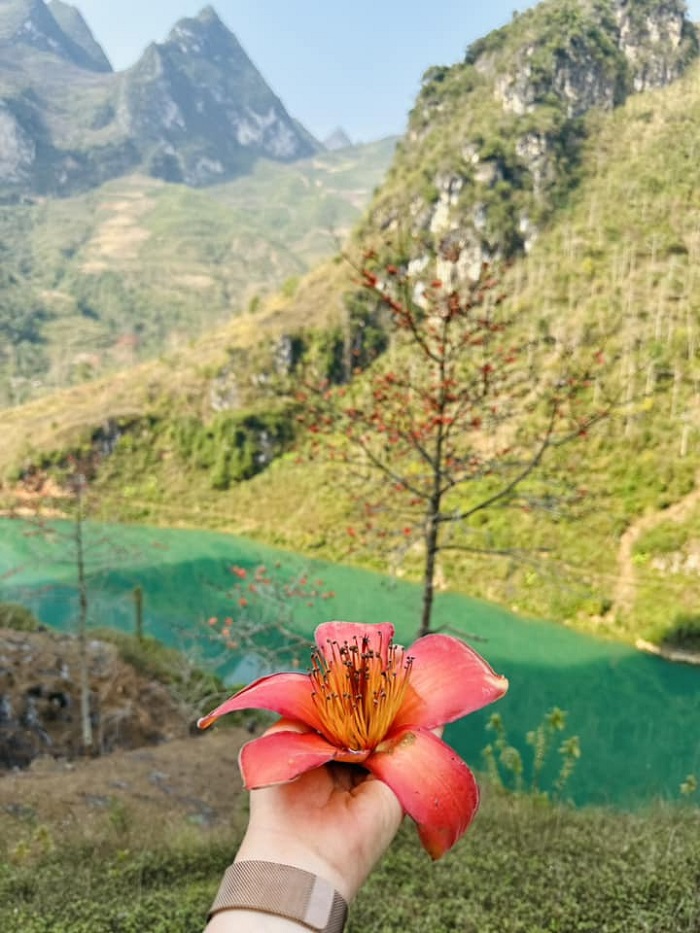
{"x": 252, "y": 921}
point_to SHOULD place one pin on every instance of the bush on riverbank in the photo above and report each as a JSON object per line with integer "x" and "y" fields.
{"x": 524, "y": 867}
{"x": 17, "y": 617}
{"x": 685, "y": 633}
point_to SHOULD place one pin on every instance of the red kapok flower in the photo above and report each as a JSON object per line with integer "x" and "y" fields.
{"x": 368, "y": 701}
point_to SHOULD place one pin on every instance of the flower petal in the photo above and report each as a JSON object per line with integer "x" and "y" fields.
{"x": 432, "y": 783}
{"x": 448, "y": 680}
{"x": 378, "y": 637}
{"x": 286, "y": 694}
{"x": 282, "y": 756}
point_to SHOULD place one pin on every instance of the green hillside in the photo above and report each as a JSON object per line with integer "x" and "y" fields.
{"x": 494, "y": 144}
{"x": 604, "y": 258}
{"x": 138, "y": 267}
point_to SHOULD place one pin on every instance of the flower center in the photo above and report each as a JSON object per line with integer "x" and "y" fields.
{"x": 358, "y": 691}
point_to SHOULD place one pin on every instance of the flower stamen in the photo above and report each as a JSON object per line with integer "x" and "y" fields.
{"x": 358, "y": 690}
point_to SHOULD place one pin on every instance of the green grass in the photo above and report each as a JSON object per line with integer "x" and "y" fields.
{"x": 523, "y": 868}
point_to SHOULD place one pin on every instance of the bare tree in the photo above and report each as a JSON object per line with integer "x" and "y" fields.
{"x": 59, "y": 512}
{"x": 455, "y": 419}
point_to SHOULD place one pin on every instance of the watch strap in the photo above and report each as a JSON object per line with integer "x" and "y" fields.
{"x": 284, "y": 891}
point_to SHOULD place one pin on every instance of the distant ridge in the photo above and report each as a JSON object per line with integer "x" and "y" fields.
{"x": 338, "y": 139}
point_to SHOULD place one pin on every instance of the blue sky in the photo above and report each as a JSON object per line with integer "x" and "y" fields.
{"x": 353, "y": 63}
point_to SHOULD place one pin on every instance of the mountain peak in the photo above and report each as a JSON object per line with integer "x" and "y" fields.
{"x": 205, "y": 108}
{"x": 208, "y": 15}
{"x": 31, "y": 24}
{"x": 338, "y": 139}
{"x": 73, "y": 25}
{"x": 206, "y": 35}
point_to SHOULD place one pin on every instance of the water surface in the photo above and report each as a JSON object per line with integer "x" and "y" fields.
{"x": 637, "y": 717}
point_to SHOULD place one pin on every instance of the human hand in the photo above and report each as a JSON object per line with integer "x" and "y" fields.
{"x": 329, "y": 790}
{"x": 335, "y": 822}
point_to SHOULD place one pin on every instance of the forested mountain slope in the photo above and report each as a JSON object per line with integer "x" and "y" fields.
{"x": 595, "y": 206}
{"x": 138, "y": 266}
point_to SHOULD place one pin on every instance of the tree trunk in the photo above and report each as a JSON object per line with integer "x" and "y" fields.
{"x": 431, "y": 552}
{"x": 432, "y": 525}
{"x": 85, "y": 717}
{"x": 138, "y": 610}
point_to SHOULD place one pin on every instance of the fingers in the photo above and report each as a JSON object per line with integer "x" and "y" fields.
{"x": 287, "y": 725}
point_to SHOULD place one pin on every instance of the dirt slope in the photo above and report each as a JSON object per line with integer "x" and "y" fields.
{"x": 40, "y": 700}
{"x": 194, "y": 780}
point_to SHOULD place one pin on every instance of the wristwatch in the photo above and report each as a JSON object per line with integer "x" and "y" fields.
{"x": 282, "y": 890}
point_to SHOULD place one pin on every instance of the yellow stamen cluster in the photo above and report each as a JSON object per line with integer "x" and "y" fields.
{"x": 358, "y": 691}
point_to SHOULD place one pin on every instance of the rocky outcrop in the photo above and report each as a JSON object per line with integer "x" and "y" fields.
{"x": 513, "y": 114}
{"x": 57, "y": 30}
{"x": 17, "y": 148}
{"x": 594, "y": 56}
{"x": 656, "y": 40}
{"x": 40, "y": 678}
{"x": 75, "y": 28}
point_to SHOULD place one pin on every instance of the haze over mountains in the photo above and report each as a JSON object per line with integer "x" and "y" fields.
{"x": 193, "y": 109}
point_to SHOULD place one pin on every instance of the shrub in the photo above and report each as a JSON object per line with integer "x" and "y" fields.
{"x": 15, "y": 616}
{"x": 685, "y": 632}
{"x": 155, "y": 661}
{"x": 664, "y": 539}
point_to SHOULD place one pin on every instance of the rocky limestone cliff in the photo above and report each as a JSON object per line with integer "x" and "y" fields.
{"x": 201, "y": 109}
{"x": 494, "y": 142}
{"x": 32, "y": 25}
{"x": 644, "y": 29}
{"x": 71, "y": 21}
{"x": 17, "y": 148}
{"x": 595, "y": 54}
{"x": 194, "y": 109}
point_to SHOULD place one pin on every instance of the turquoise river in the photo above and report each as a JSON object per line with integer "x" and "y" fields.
{"x": 637, "y": 717}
